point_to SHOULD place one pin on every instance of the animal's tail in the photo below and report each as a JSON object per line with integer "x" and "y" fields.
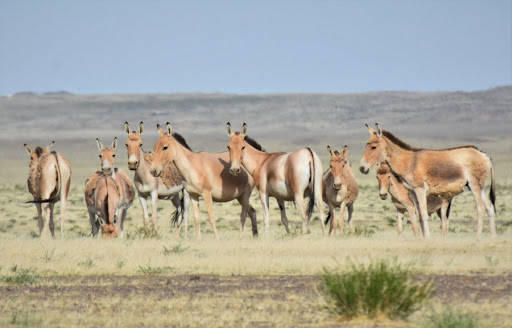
{"x": 312, "y": 188}
{"x": 492, "y": 193}
{"x": 328, "y": 218}
{"x": 448, "y": 209}
{"x": 175, "y": 219}
{"x": 59, "y": 181}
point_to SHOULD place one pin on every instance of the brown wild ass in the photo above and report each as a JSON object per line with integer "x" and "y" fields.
{"x": 125, "y": 184}
{"x": 442, "y": 173}
{"x": 147, "y": 185}
{"x": 340, "y": 188}
{"x": 48, "y": 182}
{"x": 403, "y": 199}
{"x": 207, "y": 175}
{"x": 285, "y": 176}
{"x": 104, "y": 199}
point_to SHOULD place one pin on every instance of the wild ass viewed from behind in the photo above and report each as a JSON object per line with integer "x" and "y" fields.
{"x": 285, "y": 176}
{"x": 442, "y": 173}
{"x": 167, "y": 186}
{"x": 48, "y": 182}
{"x": 123, "y": 181}
{"x": 205, "y": 175}
{"x": 403, "y": 199}
{"x": 340, "y": 189}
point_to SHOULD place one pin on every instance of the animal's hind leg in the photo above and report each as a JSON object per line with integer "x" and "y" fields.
{"x": 39, "y": 217}
{"x": 252, "y": 214}
{"x": 284, "y": 219}
{"x": 350, "y": 211}
{"x": 94, "y": 225}
{"x": 476, "y": 189}
{"x": 52, "y": 226}
{"x": 175, "y": 199}
{"x": 399, "y": 221}
{"x": 184, "y": 210}
{"x": 320, "y": 208}
{"x": 444, "y": 219}
{"x": 490, "y": 212}
{"x": 121, "y": 223}
{"x": 299, "y": 199}
{"x": 412, "y": 210}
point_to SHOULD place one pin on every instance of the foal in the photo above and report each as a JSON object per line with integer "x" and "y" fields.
{"x": 340, "y": 188}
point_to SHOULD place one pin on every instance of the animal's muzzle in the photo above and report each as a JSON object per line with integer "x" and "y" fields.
{"x": 107, "y": 171}
{"x": 133, "y": 165}
{"x": 364, "y": 170}
{"x": 234, "y": 172}
{"x": 156, "y": 172}
{"x": 336, "y": 186}
{"x": 383, "y": 196}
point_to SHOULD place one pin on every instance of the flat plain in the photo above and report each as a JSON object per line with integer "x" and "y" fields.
{"x": 156, "y": 279}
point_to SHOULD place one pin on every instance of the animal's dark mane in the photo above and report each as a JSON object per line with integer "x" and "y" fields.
{"x": 406, "y": 146}
{"x": 399, "y": 142}
{"x": 253, "y": 143}
{"x": 337, "y": 152}
{"x": 39, "y": 151}
{"x": 179, "y": 138}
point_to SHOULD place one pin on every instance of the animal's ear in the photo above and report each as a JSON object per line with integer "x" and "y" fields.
{"x": 127, "y": 127}
{"x": 141, "y": 128}
{"x": 47, "y": 148}
{"x": 344, "y": 154}
{"x": 169, "y": 129}
{"x": 379, "y": 131}
{"x": 329, "y": 150}
{"x": 160, "y": 130}
{"x": 29, "y": 150}
{"x": 244, "y": 130}
{"x": 114, "y": 143}
{"x": 100, "y": 145}
{"x": 228, "y": 127}
{"x": 372, "y": 131}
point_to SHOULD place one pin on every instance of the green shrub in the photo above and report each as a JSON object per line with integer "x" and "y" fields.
{"x": 450, "y": 318}
{"x": 21, "y": 276}
{"x": 380, "y": 288}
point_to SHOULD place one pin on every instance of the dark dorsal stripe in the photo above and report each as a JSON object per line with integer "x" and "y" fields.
{"x": 406, "y": 146}
{"x": 179, "y": 138}
{"x": 253, "y": 143}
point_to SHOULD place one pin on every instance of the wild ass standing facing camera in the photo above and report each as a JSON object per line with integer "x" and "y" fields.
{"x": 403, "y": 199}
{"x": 285, "y": 176}
{"x": 442, "y": 173}
{"x": 123, "y": 182}
{"x": 48, "y": 182}
{"x": 168, "y": 186}
{"x": 207, "y": 175}
{"x": 340, "y": 188}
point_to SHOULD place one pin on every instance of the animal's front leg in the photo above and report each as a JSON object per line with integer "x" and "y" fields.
{"x": 264, "y": 204}
{"x": 284, "y": 219}
{"x": 421, "y": 199}
{"x": 195, "y": 206}
{"x": 154, "y": 201}
{"x": 145, "y": 215}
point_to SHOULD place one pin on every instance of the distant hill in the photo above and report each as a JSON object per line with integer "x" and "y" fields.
{"x": 279, "y": 120}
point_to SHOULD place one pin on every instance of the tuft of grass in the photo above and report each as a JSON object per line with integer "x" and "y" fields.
{"x": 142, "y": 233}
{"x": 48, "y": 255}
{"x": 451, "y": 318}
{"x": 364, "y": 231}
{"x": 152, "y": 270}
{"x": 25, "y": 319}
{"x": 179, "y": 248}
{"x": 89, "y": 263}
{"x": 382, "y": 288}
{"x": 21, "y": 276}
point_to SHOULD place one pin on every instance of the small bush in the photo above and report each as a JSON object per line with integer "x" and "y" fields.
{"x": 450, "y": 318}
{"x": 176, "y": 249}
{"x": 364, "y": 231}
{"x": 21, "y": 276}
{"x": 142, "y": 233}
{"x": 381, "y": 288}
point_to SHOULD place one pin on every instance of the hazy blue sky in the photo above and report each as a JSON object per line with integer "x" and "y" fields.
{"x": 254, "y": 46}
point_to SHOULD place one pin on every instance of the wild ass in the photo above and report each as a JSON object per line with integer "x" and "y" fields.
{"x": 285, "y": 176}
{"x": 207, "y": 175}
{"x": 340, "y": 188}
{"x": 103, "y": 197}
{"x": 147, "y": 185}
{"x": 442, "y": 173}
{"x": 125, "y": 184}
{"x": 403, "y": 199}
{"x": 48, "y": 182}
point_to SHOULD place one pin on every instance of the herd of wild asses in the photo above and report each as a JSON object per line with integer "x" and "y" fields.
{"x": 420, "y": 181}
